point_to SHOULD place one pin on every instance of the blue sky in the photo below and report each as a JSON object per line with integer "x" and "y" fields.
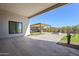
{"x": 65, "y": 16}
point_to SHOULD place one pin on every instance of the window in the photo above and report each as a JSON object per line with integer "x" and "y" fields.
{"x": 15, "y": 27}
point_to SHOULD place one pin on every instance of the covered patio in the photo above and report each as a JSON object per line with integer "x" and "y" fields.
{"x": 15, "y": 18}
{"x": 15, "y": 28}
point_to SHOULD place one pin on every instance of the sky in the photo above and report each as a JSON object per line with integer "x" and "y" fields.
{"x": 64, "y": 16}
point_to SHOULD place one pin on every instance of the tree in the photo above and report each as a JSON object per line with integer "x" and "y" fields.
{"x": 76, "y": 29}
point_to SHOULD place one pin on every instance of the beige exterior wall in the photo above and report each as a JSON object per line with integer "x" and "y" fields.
{"x": 4, "y": 28}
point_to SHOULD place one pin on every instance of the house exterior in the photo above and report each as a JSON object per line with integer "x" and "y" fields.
{"x": 15, "y": 17}
{"x": 40, "y": 27}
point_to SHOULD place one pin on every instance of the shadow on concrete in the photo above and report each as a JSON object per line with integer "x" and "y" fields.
{"x": 23, "y": 46}
{"x": 69, "y": 45}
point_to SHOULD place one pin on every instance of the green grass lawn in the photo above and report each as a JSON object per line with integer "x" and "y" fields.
{"x": 74, "y": 39}
{"x": 35, "y": 33}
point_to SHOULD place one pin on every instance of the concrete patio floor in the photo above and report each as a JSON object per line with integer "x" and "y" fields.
{"x": 24, "y": 46}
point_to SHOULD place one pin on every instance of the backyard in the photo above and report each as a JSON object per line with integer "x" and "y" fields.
{"x": 59, "y": 39}
{"x": 74, "y": 39}
{"x": 35, "y": 33}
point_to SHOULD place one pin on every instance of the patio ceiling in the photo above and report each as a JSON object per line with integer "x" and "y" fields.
{"x": 29, "y": 9}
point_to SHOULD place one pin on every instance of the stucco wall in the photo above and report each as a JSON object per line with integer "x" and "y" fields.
{"x": 8, "y": 16}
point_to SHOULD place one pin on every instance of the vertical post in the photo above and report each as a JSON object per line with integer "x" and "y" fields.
{"x": 68, "y": 38}
{"x": 50, "y": 28}
{"x": 40, "y": 28}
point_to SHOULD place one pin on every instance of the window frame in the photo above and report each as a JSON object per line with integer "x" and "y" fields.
{"x": 15, "y": 27}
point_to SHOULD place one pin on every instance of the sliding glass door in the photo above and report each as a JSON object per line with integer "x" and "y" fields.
{"x": 15, "y": 27}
